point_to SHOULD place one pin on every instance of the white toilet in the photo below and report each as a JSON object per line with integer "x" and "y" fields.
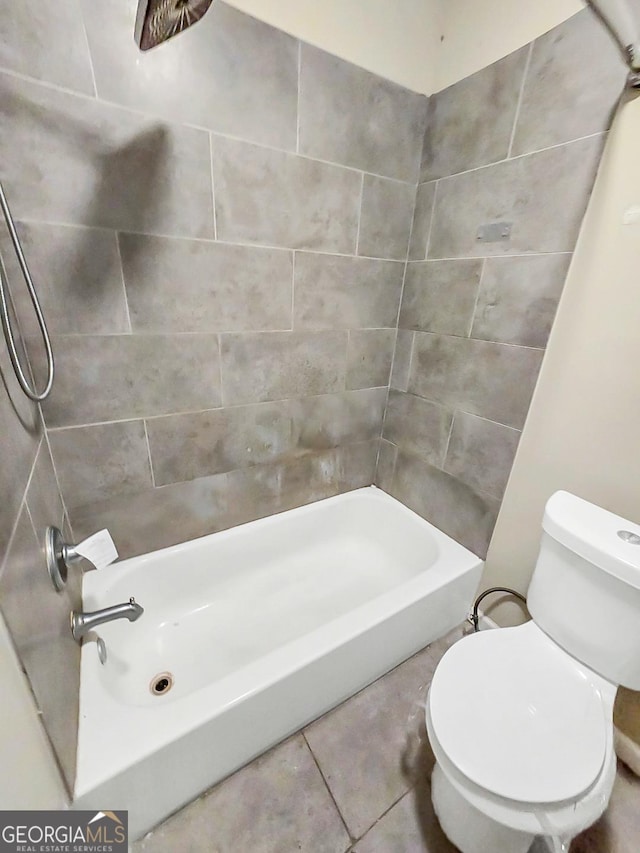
{"x": 520, "y": 719}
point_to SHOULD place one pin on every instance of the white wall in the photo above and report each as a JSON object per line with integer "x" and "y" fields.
{"x": 29, "y": 777}
{"x": 479, "y": 32}
{"x": 582, "y": 433}
{"x": 401, "y": 39}
{"x": 397, "y": 39}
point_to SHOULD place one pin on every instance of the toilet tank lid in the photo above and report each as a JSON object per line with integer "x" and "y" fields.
{"x": 608, "y": 541}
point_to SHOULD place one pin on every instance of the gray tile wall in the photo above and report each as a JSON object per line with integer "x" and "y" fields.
{"x": 36, "y": 615}
{"x": 516, "y": 144}
{"x": 219, "y": 229}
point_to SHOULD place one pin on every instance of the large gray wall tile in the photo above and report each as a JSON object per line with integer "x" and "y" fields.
{"x": 266, "y": 489}
{"x": 543, "y": 195}
{"x": 333, "y": 292}
{"x": 230, "y": 73}
{"x": 156, "y": 518}
{"x": 102, "y": 461}
{"x": 481, "y": 453}
{"x": 370, "y": 357}
{"x": 470, "y": 123}
{"x": 194, "y": 445}
{"x": 76, "y": 160}
{"x": 445, "y": 501}
{"x": 565, "y": 97}
{"x": 279, "y": 365}
{"x": 197, "y": 286}
{"x": 439, "y": 296}
{"x": 350, "y": 116}
{"x": 385, "y": 218}
{"x": 119, "y": 377}
{"x": 20, "y": 435}
{"x": 425, "y": 197}
{"x": 417, "y": 425}
{"x": 38, "y": 619}
{"x": 278, "y": 199}
{"x": 518, "y": 298}
{"x": 78, "y": 277}
{"x": 45, "y": 41}
{"x": 494, "y": 381}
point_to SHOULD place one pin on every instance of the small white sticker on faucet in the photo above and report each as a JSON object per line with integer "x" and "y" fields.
{"x": 99, "y": 549}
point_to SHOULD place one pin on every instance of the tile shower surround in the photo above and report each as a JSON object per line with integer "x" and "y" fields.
{"x": 222, "y": 269}
{"x": 519, "y": 142}
{"x": 220, "y": 255}
{"x": 221, "y": 273}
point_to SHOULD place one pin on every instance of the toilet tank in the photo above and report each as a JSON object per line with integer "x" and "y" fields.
{"x": 585, "y": 589}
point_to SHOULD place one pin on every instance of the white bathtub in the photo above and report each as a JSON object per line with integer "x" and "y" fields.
{"x": 263, "y": 627}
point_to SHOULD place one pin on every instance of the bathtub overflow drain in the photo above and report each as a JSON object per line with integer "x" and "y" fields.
{"x": 161, "y": 684}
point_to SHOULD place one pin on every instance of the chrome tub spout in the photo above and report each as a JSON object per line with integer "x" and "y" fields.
{"x": 82, "y": 623}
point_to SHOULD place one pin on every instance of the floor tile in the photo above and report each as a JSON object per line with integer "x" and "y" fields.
{"x": 372, "y": 748}
{"x": 277, "y": 804}
{"x": 409, "y": 827}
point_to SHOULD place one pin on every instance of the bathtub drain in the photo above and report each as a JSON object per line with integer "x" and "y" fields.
{"x": 161, "y": 684}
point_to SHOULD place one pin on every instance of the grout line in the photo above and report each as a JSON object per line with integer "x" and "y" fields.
{"x": 213, "y": 189}
{"x": 412, "y": 350}
{"x": 21, "y": 506}
{"x": 446, "y": 447}
{"x": 567, "y": 142}
{"x": 298, "y": 98}
{"x": 173, "y": 333}
{"x": 384, "y": 813}
{"x": 520, "y": 99}
{"x": 30, "y": 517}
{"x": 475, "y": 304}
{"x": 186, "y": 238}
{"x": 346, "y": 359}
{"x": 433, "y": 213}
{"x": 55, "y": 473}
{"x": 189, "y": 126}
{"x": 293, "y": 288}
{"x": 478, "y": 340}
{"x": 146, "y": 435}
{"x": 124, "y": 284}
{"x": 220, "y": 408}
{"x": 222, "y": 394}
{"x": 357, "y": 249}
{"x": 329, "y": 791}
{"x": 395, "y": 348}
{"x": 271, "y": 248}
{"x": 86, "y": 39}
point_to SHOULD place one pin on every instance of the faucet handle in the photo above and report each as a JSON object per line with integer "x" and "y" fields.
{"x": 58, "y": 555}
{"x": 99, "y": 549}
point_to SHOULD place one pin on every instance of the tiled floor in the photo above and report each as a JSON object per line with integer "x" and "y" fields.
{"x": 355, "y": 780}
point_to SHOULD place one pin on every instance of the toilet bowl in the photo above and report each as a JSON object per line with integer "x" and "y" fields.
{"x": 520, "y": 723}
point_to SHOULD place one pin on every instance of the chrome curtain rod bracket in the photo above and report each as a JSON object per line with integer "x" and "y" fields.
{"x": 5, "y": 315}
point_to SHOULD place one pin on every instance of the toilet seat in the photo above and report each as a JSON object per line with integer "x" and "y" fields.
{"x": 519, "y": 717}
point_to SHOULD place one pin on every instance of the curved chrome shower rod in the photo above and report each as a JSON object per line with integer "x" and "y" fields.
{"x": 5, "y": 315}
